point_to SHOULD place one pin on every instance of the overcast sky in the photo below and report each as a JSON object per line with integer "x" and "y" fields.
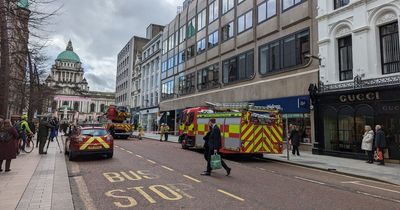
{"x": 100, "y": 28}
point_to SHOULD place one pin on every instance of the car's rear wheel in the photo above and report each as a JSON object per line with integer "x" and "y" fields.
{"x": 109, "y": 155}
{"x": 65, "y": 148}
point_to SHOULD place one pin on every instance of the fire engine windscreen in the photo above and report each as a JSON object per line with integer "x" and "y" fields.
{"x": 261, "y": 118}
{"x": 94, "y": 132}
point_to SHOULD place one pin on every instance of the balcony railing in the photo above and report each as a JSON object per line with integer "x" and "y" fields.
{"x": 358, "y": 83}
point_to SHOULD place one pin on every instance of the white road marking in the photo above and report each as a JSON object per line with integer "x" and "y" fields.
{"x": 378, "y": 196}
{"x": 231, "y": 195}
{"x": 151, "y": 161}
{"x": 333, "y": 173}
{"x": 262, "y": 169}
{"x": 129, "y": 152}
{"x": 169, "y": 169}
{"x": 84, "y": 193}
{"x": 191, "y": 178}
{"x": 370, "y": 186}
{"x": 123, "y": 149}
{"x": 139, "y": 156}
{"x": 310, "y": 180}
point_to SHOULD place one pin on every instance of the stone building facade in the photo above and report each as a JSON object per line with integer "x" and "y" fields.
{"x": 359, "y": 75}
{"x": 73, "y": 99}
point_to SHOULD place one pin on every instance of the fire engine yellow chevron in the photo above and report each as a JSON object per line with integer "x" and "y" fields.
{"x": 90, "y": 140}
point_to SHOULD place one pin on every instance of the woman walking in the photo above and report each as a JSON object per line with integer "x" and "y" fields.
{"x": 8, "y": 144}
{"x": 368, "y": 139}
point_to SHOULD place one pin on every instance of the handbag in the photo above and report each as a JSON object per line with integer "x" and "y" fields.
{"x": 378, "y": 154}
{"x": 215, "y": 161}
{"x": 5, "y": 137}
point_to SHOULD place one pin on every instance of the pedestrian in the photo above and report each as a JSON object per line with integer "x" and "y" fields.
{"x": 43, "y": 133}
{"x": 166, "y": 131}
{"x": 162, "y": 131}
{"x": 294, "y": 139}
{"x": 380, "y": 143}
{"x": 8, "y": 144}
{"x": 54, "y": 129}
{"x": 213, "y": 146}
{"x": 367, "y": 141}
{"x": 24, "y": 131}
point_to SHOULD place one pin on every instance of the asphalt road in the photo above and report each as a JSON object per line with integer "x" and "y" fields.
{"x": 150, "y": 174}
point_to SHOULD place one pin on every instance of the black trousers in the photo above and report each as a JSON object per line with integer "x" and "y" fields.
{"x": 370, "y": 155}
{"x": 166, "y": 136}
{"x": 207, "y": 156}
{"x": 42, "y": 143}
{"x": 8, "y": 163}
{"x": 295, "y": 149}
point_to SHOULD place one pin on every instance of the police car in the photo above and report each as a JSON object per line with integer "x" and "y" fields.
{"x": 89, "y": 140}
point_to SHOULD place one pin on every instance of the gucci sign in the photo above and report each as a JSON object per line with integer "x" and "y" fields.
{"x": 370, "y": 96}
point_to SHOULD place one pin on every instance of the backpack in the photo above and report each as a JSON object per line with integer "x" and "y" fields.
{"x": 4, "y": 136}
{"x": 20, "y": 129}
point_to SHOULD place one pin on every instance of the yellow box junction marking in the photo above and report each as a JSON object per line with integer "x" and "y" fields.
{"x": 91, "y": 139}
{"x": 231, "y": 195}
{"x": 191, "y": 178}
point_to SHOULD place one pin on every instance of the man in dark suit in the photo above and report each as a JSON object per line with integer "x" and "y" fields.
{"x": 211, "y": 146}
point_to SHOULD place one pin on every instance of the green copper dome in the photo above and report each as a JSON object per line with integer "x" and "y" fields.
{"x": 23, "y": 4}
{"x": 69, "y": 55}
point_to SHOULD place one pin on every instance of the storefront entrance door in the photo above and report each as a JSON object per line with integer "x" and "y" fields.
{"x": 391, "y": 127}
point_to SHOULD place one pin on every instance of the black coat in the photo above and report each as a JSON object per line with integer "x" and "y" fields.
{"x": 295, "y": 138}
{"x": 44, "y": 129}
{"x": 380, "y": 140}
{"x": 214, "y": 142}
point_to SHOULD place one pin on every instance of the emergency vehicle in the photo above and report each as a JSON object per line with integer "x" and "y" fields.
{"x": 89, "y": 140}
{"x": 245, "y": 128}
{"x": 118, "y": 120}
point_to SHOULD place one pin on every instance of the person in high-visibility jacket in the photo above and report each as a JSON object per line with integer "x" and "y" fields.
{"x": 24, "y": 130}
{"x": 141, "y": 131}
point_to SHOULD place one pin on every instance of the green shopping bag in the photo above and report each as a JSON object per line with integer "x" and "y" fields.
{"x": 216, "y": 161}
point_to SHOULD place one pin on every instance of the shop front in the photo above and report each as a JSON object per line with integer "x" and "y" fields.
{"x": 341, "y": 116}
{"x": 148, "y": 118}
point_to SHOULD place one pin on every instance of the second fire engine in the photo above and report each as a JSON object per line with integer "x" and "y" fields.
{"x": 245, "y": 128}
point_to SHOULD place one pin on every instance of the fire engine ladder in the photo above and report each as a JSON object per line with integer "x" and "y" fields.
{"x": 243, "y": 106}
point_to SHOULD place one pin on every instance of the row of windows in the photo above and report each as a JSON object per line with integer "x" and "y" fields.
{"x": 121, "y": 98}
{"x": 267, "y": 9}
{"x": 151, "y": 50}
{"x": 390, "y": 52}
{"x": 286, "y": 53}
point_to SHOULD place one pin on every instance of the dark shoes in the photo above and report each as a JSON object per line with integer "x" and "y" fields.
{"x": 228, "y": 171}
{"x": 205, "y": 173}
{"x": 7, "y": 170}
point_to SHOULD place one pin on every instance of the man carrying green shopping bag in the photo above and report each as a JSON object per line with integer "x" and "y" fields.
{"x": 211, "y": 146}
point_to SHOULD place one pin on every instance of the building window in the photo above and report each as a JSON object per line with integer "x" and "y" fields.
{"x": 102, "y": 108}
{"x": 345, "y": 58}
{"x": 171, "y": 62}
{"x": 266, "y": 10}
{"x": 165, "y": 47}
{"x": 201, "y": 46}
{"x": 191, "y": 28}
{"x": 390, "y": 48}
{"x": 208, "y": 78}
{"x": 181, "y": 57}
{"x": 238, "y": 68}
{"x": 245, "y": 22}
{"x": 227, "y": 31}
{"x": 164, "y": 66}
{"x": 346, "y": 129}
{"x": 167, "y": 89}
{"x": 187, "y": 84}
{"x": 92, "y": 107}
{"x": 201, "y": 20}
{"x": 76, "y": 106}
{"x": 191, "y": 52}
{"x": 227, "y": 5}
{"x": 213, "y": 11}
{"x": 285, "y": 53}
{"x": 213, "y": 39}
{"x": 171, "y": 44}
{"x": 182, "y": 34}
{"x": 287, "y": 4}
{"x": 341, "y": 3}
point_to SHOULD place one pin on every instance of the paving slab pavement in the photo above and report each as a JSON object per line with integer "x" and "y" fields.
{"x": 387, "y": 173}
{"x": 37, "y": 182}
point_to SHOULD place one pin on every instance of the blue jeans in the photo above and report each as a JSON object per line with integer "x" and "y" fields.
{"x": 23, "y": 136}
